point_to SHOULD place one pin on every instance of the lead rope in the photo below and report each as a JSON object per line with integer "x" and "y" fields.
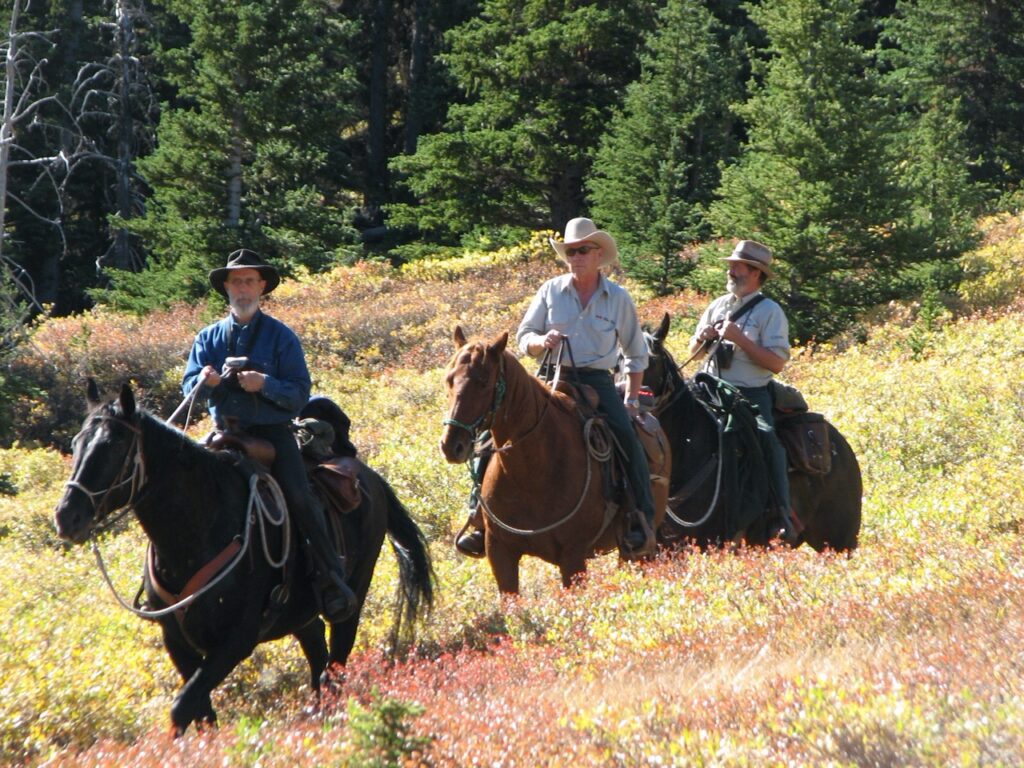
{"x": 595, "y": 450}
{"x": 257, "y": 508}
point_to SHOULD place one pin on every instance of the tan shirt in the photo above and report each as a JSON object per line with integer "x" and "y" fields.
{"x": 765, "y": 325}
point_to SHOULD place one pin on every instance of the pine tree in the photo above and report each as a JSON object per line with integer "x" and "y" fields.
{"x": 957, "y": 71}
{"x": 541, "y": 79}
{"x": 658, "y": 165}
{"x": 816, "y": 180}
{"x": 249, "y": 148}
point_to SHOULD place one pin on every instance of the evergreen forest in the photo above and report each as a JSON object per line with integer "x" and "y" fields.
{"x": 144, "y": 140}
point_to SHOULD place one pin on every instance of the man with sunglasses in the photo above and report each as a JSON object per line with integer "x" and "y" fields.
{"x": 598, "y": 320}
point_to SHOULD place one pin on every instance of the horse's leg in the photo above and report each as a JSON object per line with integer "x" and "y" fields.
{"x": 193, "y": 700}
{"x": 314, "y": 647}
{"x": 504, "y": 566}
{"x": 186, "y": 660}
{"x": 573, "y": 569}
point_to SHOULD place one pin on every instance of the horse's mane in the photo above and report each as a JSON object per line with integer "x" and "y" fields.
{"x": 166, "y": 445}
{"x": 560, "y": 399}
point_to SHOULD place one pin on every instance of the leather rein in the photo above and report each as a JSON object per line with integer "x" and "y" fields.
{"x": 674, "y": 388}
{"x": 484, "y": 422}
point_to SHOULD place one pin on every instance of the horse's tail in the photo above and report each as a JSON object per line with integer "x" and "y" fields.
{"x": 415, "y": 593}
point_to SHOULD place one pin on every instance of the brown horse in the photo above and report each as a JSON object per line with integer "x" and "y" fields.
{"x": 543, "y": 491}
{"x": 828, "y": 505}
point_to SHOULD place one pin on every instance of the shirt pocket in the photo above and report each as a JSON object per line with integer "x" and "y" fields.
{"x": 560, "y": 319}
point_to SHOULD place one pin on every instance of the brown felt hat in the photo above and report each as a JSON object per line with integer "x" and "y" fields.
{"x": 755, "y": 254}
{"x": 243, "y": 258}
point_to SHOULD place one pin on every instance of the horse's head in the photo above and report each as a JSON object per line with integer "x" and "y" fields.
{"x": 107, "y": 466}
{"x": 475, "y": 384}
{"x": 661, "y": 367}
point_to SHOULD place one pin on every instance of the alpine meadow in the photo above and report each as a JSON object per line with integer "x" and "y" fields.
{"x": 407, "y": 168}
{"x": 906, "y": 652}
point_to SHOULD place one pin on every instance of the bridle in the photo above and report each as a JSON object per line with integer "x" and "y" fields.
{"x": 484, "y": 421}
{"x": 136, "y": 478}
{"x": 229, "y": 558}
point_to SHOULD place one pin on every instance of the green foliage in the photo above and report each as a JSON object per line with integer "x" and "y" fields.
{"x": 955, "y": 67}
{"x": 991, "y": 271}
{"x": 938, "y": 163}
{"x": 249, "y": 156}
{"x": 816, "y": 179}
{"x": 541, "y": 79}
{"x": 902, "y": 653}
{"x": 382, "y": 731}
{"x": 658, "y": 163}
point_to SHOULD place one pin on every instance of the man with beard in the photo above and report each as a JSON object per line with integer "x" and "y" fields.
{"x": 750, "y": 335}
{"x": 261, "y": 396}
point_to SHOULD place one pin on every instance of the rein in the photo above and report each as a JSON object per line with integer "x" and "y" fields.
{"x": 485, "y": 419}
{"x": 257, "y": 510}
{"x": 674, "y": 388}
{"x": 137, "y": 478}
{"x": 594, "y": 450}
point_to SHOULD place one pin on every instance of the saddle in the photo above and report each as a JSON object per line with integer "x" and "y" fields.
{"x": 803, "y": 433}
{"x": 257, "y": 449}
{"x": 651, "y": 436}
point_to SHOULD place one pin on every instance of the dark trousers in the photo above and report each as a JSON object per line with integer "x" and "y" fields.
{"x": 611, "y": 405}
{"x": 289, "y": 471}
{"x": 762, "y": 398}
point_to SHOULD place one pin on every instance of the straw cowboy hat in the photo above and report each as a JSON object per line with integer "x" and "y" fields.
{"x": 243, "y": 258}
{"x": 584, "y": 230}
{"x": 755, "y": 254}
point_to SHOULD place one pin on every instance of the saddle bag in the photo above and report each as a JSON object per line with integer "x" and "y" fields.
{"x": 659, "y": 460}
{"x": 805, "y": 438}
{"x": 337, "y": 481}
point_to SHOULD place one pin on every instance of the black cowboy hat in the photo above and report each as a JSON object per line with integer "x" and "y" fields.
{"x": 243, "y": 258}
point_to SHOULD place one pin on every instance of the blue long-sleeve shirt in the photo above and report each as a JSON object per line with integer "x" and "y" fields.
{"x": 274, "y": 349}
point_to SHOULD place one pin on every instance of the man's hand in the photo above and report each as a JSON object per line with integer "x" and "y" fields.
{"x": 552, "y": 339}
{"x": 731, "y": 332}
{"x": 251, "y": 381}
{"x": 209, "y": 376}
{"x": 707, "y": 333}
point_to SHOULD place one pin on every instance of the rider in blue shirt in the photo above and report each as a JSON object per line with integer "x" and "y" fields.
{"x": 261, "y": 397}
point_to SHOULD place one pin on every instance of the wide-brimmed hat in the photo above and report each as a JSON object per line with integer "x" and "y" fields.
{"x": 243, "y": 258}
{"x": 583, "y": 230}
{"x": 755, "y": 254}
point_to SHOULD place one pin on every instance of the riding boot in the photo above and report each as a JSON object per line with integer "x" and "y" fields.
{"x": 337, "y": 600}
{"x": 470, "y": 540}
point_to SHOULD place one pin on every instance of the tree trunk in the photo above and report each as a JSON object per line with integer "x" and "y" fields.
{"x": 418, "y": 45}
{"x": 376, "y": 158}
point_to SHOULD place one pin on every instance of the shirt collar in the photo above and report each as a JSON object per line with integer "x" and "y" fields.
{"x": 565, "y": 283}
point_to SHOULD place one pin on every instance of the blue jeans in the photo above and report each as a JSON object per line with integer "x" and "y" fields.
{"x": 762, "y": 398}
{"x": 611, "y": 405}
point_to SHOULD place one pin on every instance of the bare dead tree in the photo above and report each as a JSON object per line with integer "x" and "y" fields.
{"x": 117, "y": 94}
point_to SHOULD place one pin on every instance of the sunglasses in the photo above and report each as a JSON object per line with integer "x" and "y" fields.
{"x": 583, "y": 249}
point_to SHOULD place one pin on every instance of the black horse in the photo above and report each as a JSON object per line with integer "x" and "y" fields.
{"x": 829, "y": 506}
{"x": 212, "y": 539}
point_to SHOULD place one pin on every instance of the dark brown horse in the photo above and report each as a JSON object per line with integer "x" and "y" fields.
{"x": 829, "y": 506}
{"x": 542, "y": 493}
{"x": 197, "y": 508}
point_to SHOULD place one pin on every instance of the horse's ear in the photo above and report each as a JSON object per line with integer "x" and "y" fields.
{"x": 662, "y": 331}
{"x": 92, "y": 392}
{"x": 497, "y": 346}
{"x": 459, "y": 337}
{"x": 127, "y": 400}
